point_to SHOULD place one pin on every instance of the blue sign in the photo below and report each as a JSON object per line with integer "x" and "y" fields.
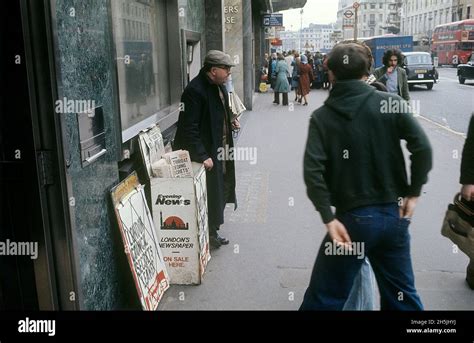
{"x": 273, "y": 19}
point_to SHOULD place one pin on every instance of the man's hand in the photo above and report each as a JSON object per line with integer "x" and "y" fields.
{"x": 390, "y": 70}
{"x": 235, "y": 124}
{"x": 408, "y": 207}
{"x": 467, "y": 192}
{"x": 208, "y": 164}
{"x": 338, "y": 233}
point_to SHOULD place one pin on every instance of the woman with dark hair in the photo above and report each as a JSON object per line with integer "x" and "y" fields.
{"x": 393, "y": 76}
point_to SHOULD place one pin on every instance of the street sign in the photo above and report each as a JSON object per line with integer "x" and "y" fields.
{"x": 356, "y": 5}
{"x": 274, "y": 19}
{"x": 348, "y": 14}
{"x": 347, "y": 23}
{"x": 269, "y": 32}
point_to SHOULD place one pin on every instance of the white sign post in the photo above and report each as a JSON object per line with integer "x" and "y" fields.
{"x": 141, "y": 242}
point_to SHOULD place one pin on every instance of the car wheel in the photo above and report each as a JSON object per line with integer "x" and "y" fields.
{"x": 429, "y": 86}
{"x": 461, "y": 79}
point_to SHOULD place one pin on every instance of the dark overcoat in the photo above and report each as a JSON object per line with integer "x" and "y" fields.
{"x": 200, "y": 131}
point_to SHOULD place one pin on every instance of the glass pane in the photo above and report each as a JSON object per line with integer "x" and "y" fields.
{"x": 140, "y": 28}
{"x": 418, "y": 59}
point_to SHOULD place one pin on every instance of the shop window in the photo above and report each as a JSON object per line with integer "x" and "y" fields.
{"x": 140, "y": 38}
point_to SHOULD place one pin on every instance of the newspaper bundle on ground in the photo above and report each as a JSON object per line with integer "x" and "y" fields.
{"x": 180, "y": 163}
{"x": 140, "y": 241}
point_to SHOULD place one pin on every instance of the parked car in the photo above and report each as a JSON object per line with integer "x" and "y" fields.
{"x": 466, "y": 71}
{"x": 420, "y": 69}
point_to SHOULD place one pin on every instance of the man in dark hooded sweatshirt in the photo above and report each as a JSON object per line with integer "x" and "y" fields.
{"x": 354, "y": 162}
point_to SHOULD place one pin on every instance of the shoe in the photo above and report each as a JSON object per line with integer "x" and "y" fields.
{"x": 222, "y": 240}
{"x": 214, "y": 242}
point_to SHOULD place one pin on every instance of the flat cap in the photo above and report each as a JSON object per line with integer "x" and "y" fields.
{"x": 217, "y": 57}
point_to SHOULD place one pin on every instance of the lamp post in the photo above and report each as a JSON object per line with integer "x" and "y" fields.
{"x": 430, "y": 32}
{"x": 301, "y": 31}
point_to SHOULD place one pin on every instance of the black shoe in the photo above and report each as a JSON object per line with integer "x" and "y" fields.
{"x": 222, "y": 240}
{"x": 214, "y": 242}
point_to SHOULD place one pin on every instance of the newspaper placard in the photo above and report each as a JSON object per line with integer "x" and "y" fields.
{"x": 141, "y": 242}
{"x": 202, "y": 219}
{"x": 180, "y": 216}
{"x": 180, "y": 163}
{"x": 151, "y": 145}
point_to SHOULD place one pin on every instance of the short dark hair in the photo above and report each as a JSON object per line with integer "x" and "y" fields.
{"x": 349, "y": 61}
{"x": 389, "y": 53}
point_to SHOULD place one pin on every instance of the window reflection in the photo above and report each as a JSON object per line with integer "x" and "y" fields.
{"x": 140, "y": 32}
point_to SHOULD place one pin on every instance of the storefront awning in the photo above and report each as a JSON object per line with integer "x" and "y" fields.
{"x": 281, "y": 5}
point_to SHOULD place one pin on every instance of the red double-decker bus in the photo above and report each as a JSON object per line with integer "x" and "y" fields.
{"x": 453, "y": 43}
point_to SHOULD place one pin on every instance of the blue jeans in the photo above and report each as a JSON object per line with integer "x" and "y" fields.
{"x": 386, "y": 242}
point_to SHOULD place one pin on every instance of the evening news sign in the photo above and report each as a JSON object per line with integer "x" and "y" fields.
{"x": 273, "y": 20}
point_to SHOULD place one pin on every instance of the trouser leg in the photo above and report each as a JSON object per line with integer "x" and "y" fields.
{"x": 394, "y": 271}
{"x": 331, "y": 280}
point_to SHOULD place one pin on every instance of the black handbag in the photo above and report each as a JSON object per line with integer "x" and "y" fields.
{"x": 458, "y": 225}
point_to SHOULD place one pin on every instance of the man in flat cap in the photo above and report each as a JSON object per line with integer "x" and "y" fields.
{"x": 204, "y": 129}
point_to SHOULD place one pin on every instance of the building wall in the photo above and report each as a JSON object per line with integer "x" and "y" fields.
{"x": 192, "y": 17}
{"x": 84, "y": 68}
{"x": 317, "y": 37}
{"x": 420, "y": 17}
{"x": 214, "y": 24}
{"x": 233, "y": 40}
{"x": 371, "y": 21}
{"x": 467, "y": 7}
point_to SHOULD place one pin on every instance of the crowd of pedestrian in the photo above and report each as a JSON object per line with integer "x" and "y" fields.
{"x": 290, "y": 71}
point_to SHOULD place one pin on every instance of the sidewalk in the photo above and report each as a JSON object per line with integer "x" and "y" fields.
{"x": 276, "y": 232}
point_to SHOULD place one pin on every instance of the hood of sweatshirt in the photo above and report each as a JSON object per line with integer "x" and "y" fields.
{"x": 348, "y": 96}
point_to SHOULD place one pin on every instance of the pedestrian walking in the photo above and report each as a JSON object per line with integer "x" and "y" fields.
{"x": 281, "y": 84}
{"x": 305, "y": 79}
{"x": 354, "y": 162}
{"x": 393, "y": 76}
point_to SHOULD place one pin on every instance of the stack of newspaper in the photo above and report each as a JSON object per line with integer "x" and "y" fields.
{"x": 173, "y": 164}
